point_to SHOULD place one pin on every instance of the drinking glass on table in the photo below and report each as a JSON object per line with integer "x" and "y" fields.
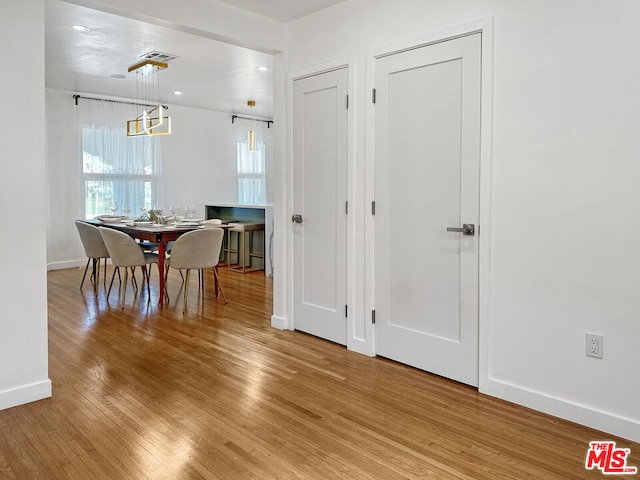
{"x": 126, "y": 209}
{"x": 175, "y": 210}
{"x": 114, "y": 208}
{"x": 190, "y": 210}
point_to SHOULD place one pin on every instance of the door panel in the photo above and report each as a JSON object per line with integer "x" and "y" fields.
{"x": 320, "y": 191}
{"x": 427, "y": 152}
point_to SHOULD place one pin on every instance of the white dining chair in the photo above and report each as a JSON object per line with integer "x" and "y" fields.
{"x": 125, "y": 253}
{"x": 197, "y": 250}
{"x": 95, "y": 249}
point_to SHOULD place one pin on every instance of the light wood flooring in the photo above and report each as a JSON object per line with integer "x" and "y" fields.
{"x": 218, "y": 394}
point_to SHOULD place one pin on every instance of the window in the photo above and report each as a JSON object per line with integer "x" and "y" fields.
{"x": 252, "y": 173}
{"x": 118, "y": 171}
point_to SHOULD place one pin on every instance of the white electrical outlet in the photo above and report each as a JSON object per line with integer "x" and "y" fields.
{"x": 593, "y": 345}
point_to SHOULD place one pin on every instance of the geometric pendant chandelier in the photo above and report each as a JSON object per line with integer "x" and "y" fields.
{"x": 251, "y": 136}
{"x": 152, "y": 119}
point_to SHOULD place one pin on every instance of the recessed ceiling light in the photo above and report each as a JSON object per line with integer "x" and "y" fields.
{"x": 79, "y": 28}
{"x": 262, "y": 68}
{"x": 177, "y": 92}
{"x": 117, "y": 75}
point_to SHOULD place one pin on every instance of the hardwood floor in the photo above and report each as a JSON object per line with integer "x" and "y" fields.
{"x": 219, "y": 394}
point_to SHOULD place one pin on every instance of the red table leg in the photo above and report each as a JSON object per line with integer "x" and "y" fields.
{"x": 161, "y": 250}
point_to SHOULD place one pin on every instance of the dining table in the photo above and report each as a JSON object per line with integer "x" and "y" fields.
{"x": 159, "y": 234}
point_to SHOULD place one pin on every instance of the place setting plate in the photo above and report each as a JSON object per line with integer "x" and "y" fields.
{"x": 111, "y": 218}
{"x": 186, "y": 225}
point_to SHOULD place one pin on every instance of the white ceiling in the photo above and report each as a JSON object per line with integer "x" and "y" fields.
{"x": 211, "y": 74}
{"x": 282, "y": 10}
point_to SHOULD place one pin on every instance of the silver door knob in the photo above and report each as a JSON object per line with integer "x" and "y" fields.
{"x": 466, "y": 229}
{"x": 296, "y": 218}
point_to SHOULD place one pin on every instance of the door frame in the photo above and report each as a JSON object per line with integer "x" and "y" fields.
{"x": 485, "y": 28}
{"x": 353, "y": 342}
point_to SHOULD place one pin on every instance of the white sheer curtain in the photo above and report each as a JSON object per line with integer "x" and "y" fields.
{"x": 251, "y": 165}
{"x": 117, "y": 171}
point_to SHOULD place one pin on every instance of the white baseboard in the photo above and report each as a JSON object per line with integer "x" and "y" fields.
{"x": 65, "y": 265}
{"x": 558, "y": 407}
{"x": 25, "y": 394}
{"x": 281, "y": 323}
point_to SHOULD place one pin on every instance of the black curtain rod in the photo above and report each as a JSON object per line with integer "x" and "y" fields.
{"x": 268, "y": 122}
{"x": 77, "y": 97}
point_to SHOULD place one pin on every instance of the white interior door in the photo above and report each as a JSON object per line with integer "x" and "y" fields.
{"x": 427, "y": 157}
{"x": 320, "y": 193}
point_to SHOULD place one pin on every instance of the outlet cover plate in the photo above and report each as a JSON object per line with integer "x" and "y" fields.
{"x": 593, "y": 345}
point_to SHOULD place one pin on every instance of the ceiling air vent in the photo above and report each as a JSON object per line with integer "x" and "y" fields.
{"x": 159, "y": 56}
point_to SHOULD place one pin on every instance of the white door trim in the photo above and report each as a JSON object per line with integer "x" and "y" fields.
{"x": 354, "y": 341}
{"x": 485, "y": 27}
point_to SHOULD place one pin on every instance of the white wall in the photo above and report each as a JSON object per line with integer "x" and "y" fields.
{"x": 65, "y": 191}
{"x": 23, "y": 294}
{"x": 199, "y": 159}
{"x": 198, "y": 167}
{"x": 564, "y": 189}
{"x": 281, "y": 207}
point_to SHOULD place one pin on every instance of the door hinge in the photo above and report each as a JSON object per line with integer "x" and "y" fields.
{"x": 373, "y": 208}
{"x": 346, "y": 207}
{"x": 373, "y": 316}
{"x": 346, "y": 310}
{"x": 347, "y": 102}
{"x": 373, "y": 95}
